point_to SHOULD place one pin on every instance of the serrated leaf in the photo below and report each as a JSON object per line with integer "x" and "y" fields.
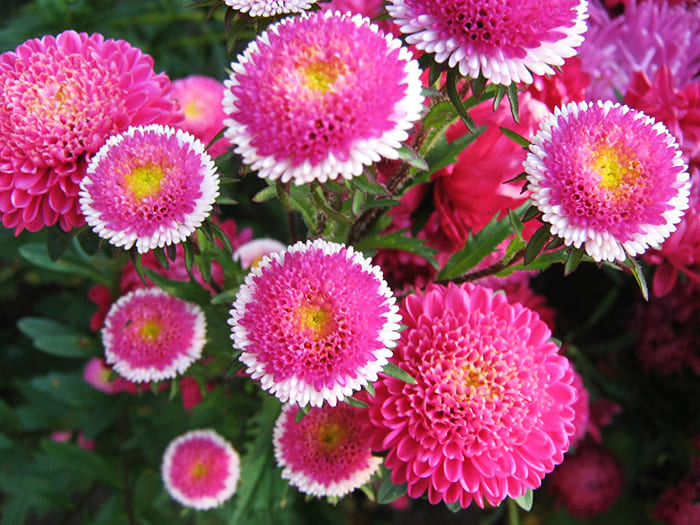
{"x": 573, "y": 259}
{"x": 525, "y": 501}
{"x": 36, "y": 253}
{"x": 536, "y": 243}
{"x": 394, "y": 371}
{"x": 515, "y": 137}
{"x": 70, "y": 457}
{"x": 388, "y": 491}
{"x": 407, "y": 154}
{"x": 514, "y": 102}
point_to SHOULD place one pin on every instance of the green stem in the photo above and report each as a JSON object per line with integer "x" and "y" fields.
{"x": 513, "y": 513}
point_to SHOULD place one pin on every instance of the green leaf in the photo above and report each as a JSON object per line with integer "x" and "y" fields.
{"x": 514, "y": 103}
{"x": 70, "y": 389}
{"x": 525, "y": 501}
{"x": 162, "y": 258}
{"x": 500, "y": 93}
{"x": 225, "y": 297}
{"x": 358, "y": 202}
{"x": 58, "y": 241}
{"x": 8, "y": 419}
{"x": 72, "y": 458}
{"x": 515, "y": 137}
{"x": 37, "y": 254}
{"x": 187, "y": 290}
{"x": 478, "y": 85}
{"x": 456, "y": 100}
{"x": 573, "y": 259}
{"x": 407, "y": 154}
{"x": 354, "y": 402}
{"x": 536, "y": 243}
{"x": 54, "y": 338}
{"x": 393, "y": 370}
{"x": 388, "y": 491}
{"x": 444, "y": 153}
{"x": 636, "y": 268}
{"x": 398, "y": 241}
{"x": 454, "y": 507}
{"x": 89, "y": 241}
{"x": 367, "y": 186}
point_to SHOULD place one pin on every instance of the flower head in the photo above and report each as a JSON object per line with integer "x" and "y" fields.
{"x": 62, "y": 97}
{"x": 326, "y": 453}
{"x": 199, "y": 100}
{"x": 150, "y": 336}
{"x": 251, "y": 253}
{"x": 607, "y": 177}
{"x": 679, "y": 505}
{"x": 269, "y": 7}
{"x": 150, "y": 186}
{"x": 491, "y": 411}
{"x": 318, "y": 96}
{"x": 200, "y": 469}
{"x": 315, "y": 322}
{"x": 504, "y": 41}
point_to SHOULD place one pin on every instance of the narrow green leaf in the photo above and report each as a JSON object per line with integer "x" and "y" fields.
{"x": 265, "y": 194}
{"x": 525, "y": 501}
{"x": 407, "y": 154}
{"x": 393, "y": 370}
{"x": 189, "y": 256}
{"x": 478, "y": 85}
{"x": 500, "y": 93}
{"x": 162, "y": 258}
{"x": 388, "y": 491}
{"x": 556, "y": 242}
{"x": 225, "y": 297}
{"x": 367, "y": 186}
{"x": 370, "y": 389}
{"x": 444, "y": 153}
{"x": 531, "y": 213}
{"x": 354, "y": 402}
{"x": 515, "y": 137}
{"x": 536, "y": 243}
{"x": 514, "y": 103}
{"x": 636, "y": 268}
{"x": 171, "y": 251}
{"x": 358, "y": 202}
{"x": 136, "y": 261}
{"x": 456, "y": 100}
{"x": 225, "y": 200}
{"x": 186, "y": 290}
{"x": 434, "y": 73}
{"x": 573, "y": 259}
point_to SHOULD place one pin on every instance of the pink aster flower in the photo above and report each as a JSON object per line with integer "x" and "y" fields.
{"x": 97, "y": 374}
{"x": 200, "y": 469}
{"x": 326, "y": 453}
{"x": 506, "y": 42}
{"x": 150, "y": 336}
{"x": 582, "y": 410}
{"x": 318, "y": 96}
{"x": 679, "y": 505}
{"x": 315, "y": 323}
{"x": 252, "y": 252}
{"x": 269, "y": 8}
{"x": 150, "y": 186}
{"x": 608, "y": 178}
{"x": 491, "y": 411}
{"x": 62, "y": 97}
{"x": 647, "y": 36}
{"x": 199, "y": 100}
{"x": 588, "y": 482}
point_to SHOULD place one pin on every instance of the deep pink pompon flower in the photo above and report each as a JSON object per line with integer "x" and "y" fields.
{"x": 150, "y": 336}
{"x": 327, "y": 452}
{"x": 318, "y": 96}
{"x": 680, "y": 504}
{"x": 608, "y": 178}
{"x": 150, "y": 186}
{"x": 492, "y": 409}
{"x": 61, "y": 98}
{"x": 504, "y": 41}
{"x": 199, "y": 100}
{"x": 315, "y": 323}
{"x": 200, "y": 469}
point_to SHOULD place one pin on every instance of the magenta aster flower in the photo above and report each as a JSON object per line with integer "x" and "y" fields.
{"x": 326, "y": 453}
{"x": 608, "y": 178}
{"x": 149, "y": 335}
{"x": 199, "y": 100}
{"x": 318, "y": 96}
{"x": 492, "y": 408}
{"x": 200, "y": 469}
{"x": 315, "y": 322}
{"x": 62, "y": 97}
{"x": 680, "y": 505}
{"x": 150, "y": 186}
{"x": 504, "y": 41}
{"x": 269, "y": 7}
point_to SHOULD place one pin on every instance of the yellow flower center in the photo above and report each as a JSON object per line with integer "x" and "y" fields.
{"x": 320, "y": 76}
{"x": 331, "y": 435}
{"x": 614, "y": 169}
{"x": 192, "y": 110}
{"x": 198, "y": 470}
{"x": 150, "y": 330}
{"x": 316, "y": 320}
{"x": 144, "y": 181}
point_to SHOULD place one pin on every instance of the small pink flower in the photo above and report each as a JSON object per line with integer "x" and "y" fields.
{"x": 97, "y": 374}
{"x": 607, "y": 178}
{"x": 200, "y": 469}
{"x": 151, "y": 336}
{"x": 319, "y": 96}
{"x": 326, "y": 453}
{"x": 588, "y": 482}
{"x": 492, "y": 409}
{"x": 251, "y": 253}
{"x": 315, "y": 323}
{"x": 150, "y": 187}
{"x": 199, "y": 101}
{"x": 505, "y": 42}
{"x": 679, "y": 505}
{"x": 62, "y": 97}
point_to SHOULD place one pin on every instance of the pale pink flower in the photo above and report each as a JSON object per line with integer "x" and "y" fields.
{"x": 252, "y": 252}
{"x": 269, "y": 8}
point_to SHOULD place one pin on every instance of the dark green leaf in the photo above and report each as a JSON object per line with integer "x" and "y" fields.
{"x": 8, "y": 419}
{"x": 88, "y": 464}
{"x": 536, "y": 243}
{"x": 531, "y": 213}
{"x": 515, "y": 137}
{"x": 573, "y": 259}
{"x": 171, "y": 251}
{"x": 136, "y": 261}
{"x": 398, "y": 241}
{"x": 162, "y": 258}
{"x": 634, "y": 265}
{"x": 354, "y": 402}
{"x": 500, "y": 93}
{"x": 513, "y": 99}
{"x": 456, "y": 100}
{"x": 444, "y": 153}
{"x": 57, "y": 241}
{"x": 54, "y": 338}
{"x": 187, "y": 290}
{"x": 388, "y": 491}
{"x": 36, "y": 253}
{"x": 70, "y": 389}
{"x": 89, "y": 241}
{"x": 407, "y": 154}
{"x": 367, "y": 186}
{"x": 225, "y": 297}
{"x": 393, "y": 370}
{"x": 478, "y": 85}
{"x": 358, "y": 202}
{"x": 454, "y": 507}
{"x": 525, "y": 501}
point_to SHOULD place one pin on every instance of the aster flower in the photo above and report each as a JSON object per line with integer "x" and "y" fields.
{"x": 491, "y": 411}
{"x": 269, "y": 7}
{"x": 252, "y": 252}
{"x": 608, "y": 178}
{"x": 679, "y": 505}
{"x": 150, "y": 336}
{"x": 588, "y": 482}
{"x": 506, "y": 42}
{"x": 62, "y": 97}
{"x": 301, "y": 107}
{"x": 315, "y": 323}
{"x": 326, "y": 453}
{"x": 200, "y": 469}
{"x": 582, "y": 410}
{"x": 150, "y": 186}
{"x": 199, "y": 100}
